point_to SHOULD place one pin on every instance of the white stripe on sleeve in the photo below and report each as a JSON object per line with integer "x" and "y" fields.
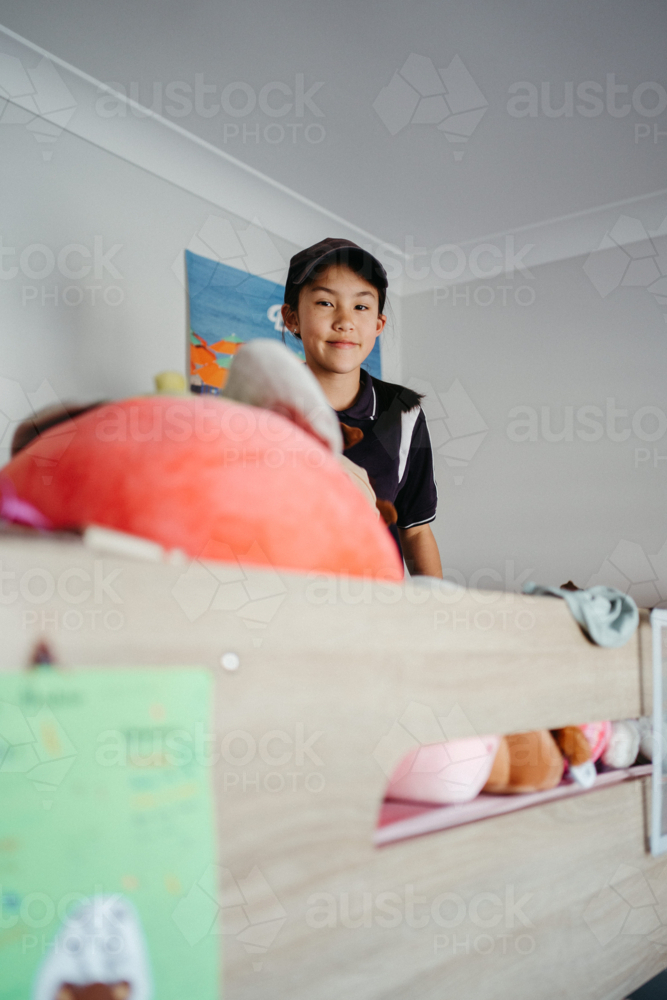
{"x": 408, "y": 421}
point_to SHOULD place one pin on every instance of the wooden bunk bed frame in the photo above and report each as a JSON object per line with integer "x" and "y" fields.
{"x": 560, "y": 902}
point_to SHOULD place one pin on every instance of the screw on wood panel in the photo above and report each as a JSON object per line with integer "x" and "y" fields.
{"x": 230, "y": 661}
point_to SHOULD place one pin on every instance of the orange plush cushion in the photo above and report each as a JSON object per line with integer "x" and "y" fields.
{"x": 206, "y": 476}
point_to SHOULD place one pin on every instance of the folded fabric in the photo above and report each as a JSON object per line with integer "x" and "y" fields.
{"x": 607, "y": 615}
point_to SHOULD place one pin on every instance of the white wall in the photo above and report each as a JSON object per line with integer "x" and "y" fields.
{"x": 105, "y": 334}
{"x": 130, "y": 322}
{"x": 554, "y": 510}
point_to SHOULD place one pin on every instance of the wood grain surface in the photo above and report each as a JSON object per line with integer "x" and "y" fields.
{"x": 336, "y": 680}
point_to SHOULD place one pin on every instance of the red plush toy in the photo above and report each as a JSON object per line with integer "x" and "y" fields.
{"x": 217, "y": 479}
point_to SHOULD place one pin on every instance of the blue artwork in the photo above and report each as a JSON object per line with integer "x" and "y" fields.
{"x": 227, "y": 307}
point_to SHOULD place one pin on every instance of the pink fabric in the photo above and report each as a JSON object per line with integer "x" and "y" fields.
{"x": 18, "y": 511}
{"x": 598, "y": 735}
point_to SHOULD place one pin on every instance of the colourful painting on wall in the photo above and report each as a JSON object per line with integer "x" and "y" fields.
{"x": 228, "y": 307}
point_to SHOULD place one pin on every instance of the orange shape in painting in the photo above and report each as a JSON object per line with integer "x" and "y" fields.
{"x": 225, "y": 347}
{"x": 201, "y": 355}
{"x": 213, "y": 375}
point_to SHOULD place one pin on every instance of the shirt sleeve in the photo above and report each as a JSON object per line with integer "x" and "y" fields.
{"x": 417, "y": 498}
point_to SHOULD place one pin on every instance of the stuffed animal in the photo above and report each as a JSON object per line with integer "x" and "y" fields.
{"x": 526, "y": 762}
{"x": 216, "y": 479}
{"x": 458, "y": 770}
{"x": 265, "y": 373}
{"x": 577, "y": 751}
{"x": 623, "y": 747}
{"x": 99, "y": 953}
{"x": 598, "y": 735}
{"x": 499, "y": 775}
{"x": 445, "y": 773}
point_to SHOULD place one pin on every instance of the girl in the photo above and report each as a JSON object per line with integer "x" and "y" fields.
{"x": 334, "y": 300}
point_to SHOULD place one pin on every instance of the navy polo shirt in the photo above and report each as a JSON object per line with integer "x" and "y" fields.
{"x": 396, "y": 448}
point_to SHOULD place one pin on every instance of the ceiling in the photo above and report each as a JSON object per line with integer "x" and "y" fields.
{"x": 414, "y": 187}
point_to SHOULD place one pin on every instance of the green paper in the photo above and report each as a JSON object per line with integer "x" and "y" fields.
{"x": 103, "y": 797}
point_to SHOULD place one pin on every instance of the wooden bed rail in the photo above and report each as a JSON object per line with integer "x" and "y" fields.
{"x": 334, "y": 681}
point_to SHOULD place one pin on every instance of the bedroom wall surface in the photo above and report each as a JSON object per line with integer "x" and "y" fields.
{"x": 92, "y": 287}
{"x": 348, "y": 146}
{"x": 548, "y": 416}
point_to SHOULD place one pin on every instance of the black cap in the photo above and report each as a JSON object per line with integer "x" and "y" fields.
{"x": 303, "y": 263}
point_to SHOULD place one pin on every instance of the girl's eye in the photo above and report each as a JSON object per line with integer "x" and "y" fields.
{"x": 361, "y": 306}
{"x": 324, "y": 302}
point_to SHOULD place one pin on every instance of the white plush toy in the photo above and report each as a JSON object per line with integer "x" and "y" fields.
{"x": 267, "y": 374}
{"x": 623, "y": 746}
{"x": 99, "y": 951}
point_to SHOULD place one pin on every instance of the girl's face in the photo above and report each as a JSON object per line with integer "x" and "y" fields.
{"x": 337, "y": 320}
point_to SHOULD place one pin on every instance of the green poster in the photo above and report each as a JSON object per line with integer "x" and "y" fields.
{"x": 106, "y": 823}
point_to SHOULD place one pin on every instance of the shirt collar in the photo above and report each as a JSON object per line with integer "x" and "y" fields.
{"x": 365, "y": 406}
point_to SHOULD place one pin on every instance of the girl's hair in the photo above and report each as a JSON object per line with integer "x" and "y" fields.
{"x": 357, "y": 261}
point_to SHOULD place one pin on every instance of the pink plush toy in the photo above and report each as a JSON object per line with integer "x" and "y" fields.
{"x": 445, "y": 773}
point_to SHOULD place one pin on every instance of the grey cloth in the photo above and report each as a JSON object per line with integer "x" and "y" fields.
{"x": 607, "y": 615}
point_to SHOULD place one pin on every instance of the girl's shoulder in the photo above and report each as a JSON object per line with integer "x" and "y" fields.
{"x": 390, "y": 396}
